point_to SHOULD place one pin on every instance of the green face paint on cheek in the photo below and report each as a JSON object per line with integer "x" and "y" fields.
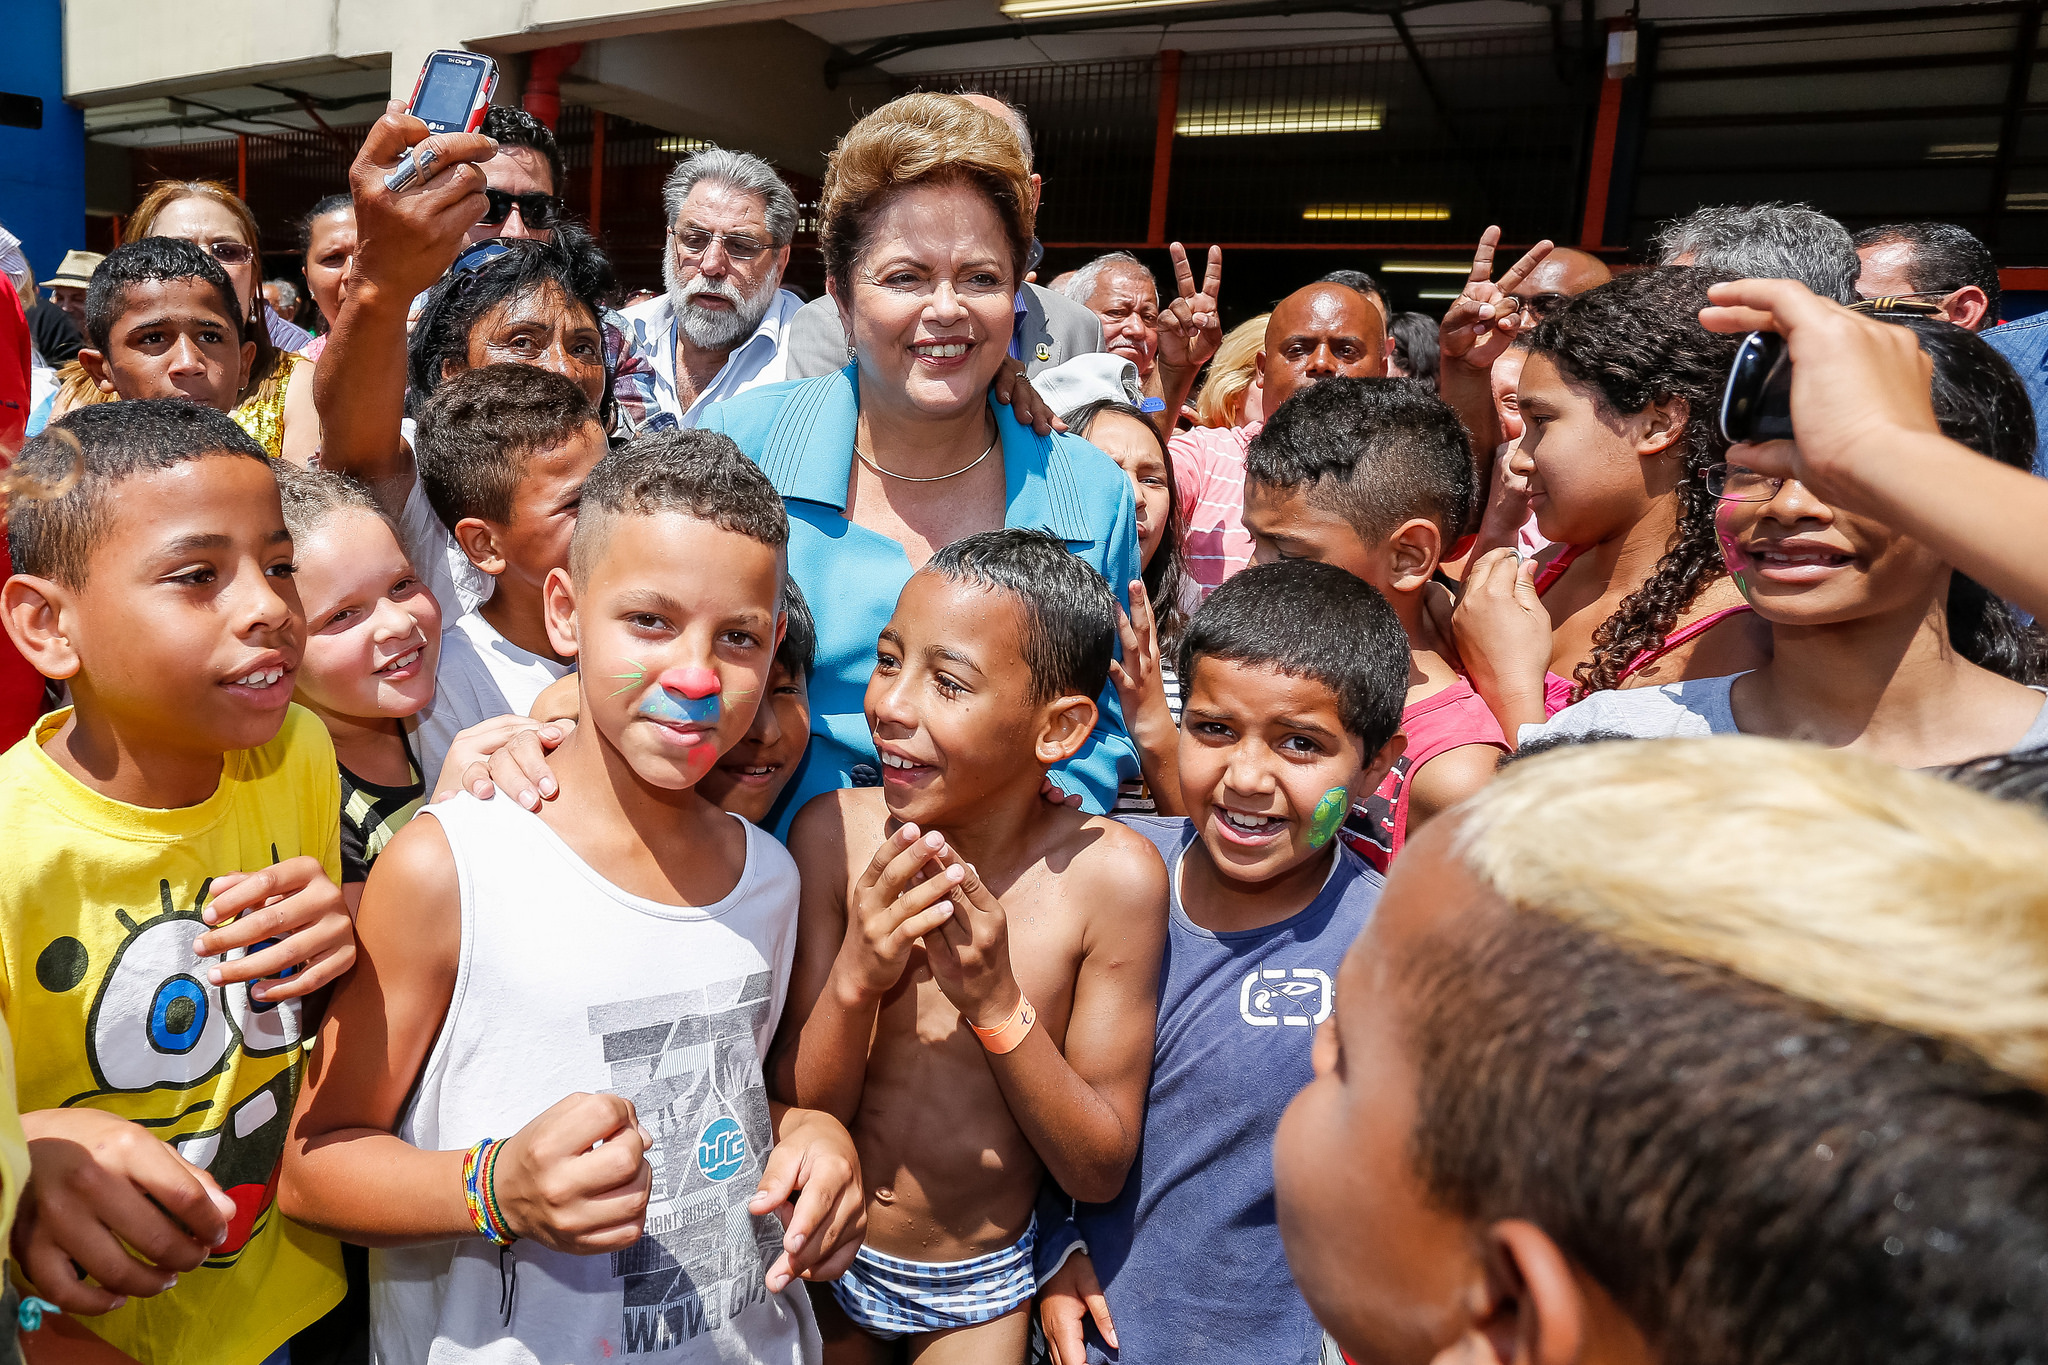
{"x": 632, "y": 679}
{"x": 1329, "y": 816}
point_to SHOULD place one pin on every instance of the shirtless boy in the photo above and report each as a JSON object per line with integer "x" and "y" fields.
{"x": 976, "y": 968}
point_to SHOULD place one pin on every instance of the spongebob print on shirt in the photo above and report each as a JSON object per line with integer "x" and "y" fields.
{"x": 156, "y": 1024}
{"x": 111, "y": 1009}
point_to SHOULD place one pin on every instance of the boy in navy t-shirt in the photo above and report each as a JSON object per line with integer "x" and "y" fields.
{"x": 1295, "y": 675}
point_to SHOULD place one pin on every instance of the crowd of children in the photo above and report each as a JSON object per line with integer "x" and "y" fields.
{"x": 1359, "y": 1028}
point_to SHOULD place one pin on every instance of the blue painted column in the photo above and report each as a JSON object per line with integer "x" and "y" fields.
{"x": 42, "y": 171}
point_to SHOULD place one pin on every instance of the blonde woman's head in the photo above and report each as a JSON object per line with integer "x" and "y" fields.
{"x": 923, "y": 139}
{"x": 1232, "y": 371}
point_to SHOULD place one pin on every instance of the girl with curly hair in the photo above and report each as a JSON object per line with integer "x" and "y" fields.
{"x": 1619, "y": 399}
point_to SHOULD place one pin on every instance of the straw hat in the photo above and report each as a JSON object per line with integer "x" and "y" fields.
{"x": 76, "y": 271}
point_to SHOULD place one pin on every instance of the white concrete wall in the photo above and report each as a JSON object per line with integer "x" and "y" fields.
{"x": 118, "y": 50}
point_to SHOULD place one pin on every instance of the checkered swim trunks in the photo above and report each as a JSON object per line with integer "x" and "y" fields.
{"x": 891, "y": 1298}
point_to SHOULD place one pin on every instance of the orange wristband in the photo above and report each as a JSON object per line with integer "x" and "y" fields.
{"x": 1008, "y": 1035}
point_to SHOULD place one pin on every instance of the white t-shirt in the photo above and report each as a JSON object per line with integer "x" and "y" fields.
{"x": 568, "y": 984}
{"x": 458, "y": 585}
{"x": 482, "y": 674}
{"x": 1681, "y": 710}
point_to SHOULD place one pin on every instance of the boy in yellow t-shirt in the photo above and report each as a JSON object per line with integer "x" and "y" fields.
{"x": 167, "y": 897}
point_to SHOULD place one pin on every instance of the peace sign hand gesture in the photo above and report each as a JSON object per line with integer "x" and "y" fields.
{"x": 1190, "y": 328}
{"x": 1480, "y": 323}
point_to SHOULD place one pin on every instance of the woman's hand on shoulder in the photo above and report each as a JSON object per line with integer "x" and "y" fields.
{"x": 1012, "y": 388}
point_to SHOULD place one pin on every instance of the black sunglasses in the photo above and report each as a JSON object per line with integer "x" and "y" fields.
{"x": 534, "y": 209}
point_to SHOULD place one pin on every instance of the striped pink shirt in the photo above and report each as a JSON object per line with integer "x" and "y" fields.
{"x": 1208, "y": 477}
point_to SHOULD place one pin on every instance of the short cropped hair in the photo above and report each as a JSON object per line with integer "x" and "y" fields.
{"x": 1766, "y": 1028}
{"x": 1879, "y": 893}
{"x": 1377, "y": 452}
{"x": 1765, "y": 241}
{"x": 1313, "y": 621}
{"x": 152, "y": 259}
{"x": 742, "y": 171}
{"x": 103, "y": 444}
{"x": 480, "y": 429}
{"x": 799, "y": 650}
{"x": 921, "y": 139}
{"x": 1942, "y": 258}
{"x": 514, "y": 127}
{"x": 698, "y": 473}
{"x": 1069, "y": 610}
{"x": 311, "y": 496}
{"x": 1080, "y": 286}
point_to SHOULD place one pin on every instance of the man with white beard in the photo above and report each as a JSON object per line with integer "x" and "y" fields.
{"x": 720, "y": 328}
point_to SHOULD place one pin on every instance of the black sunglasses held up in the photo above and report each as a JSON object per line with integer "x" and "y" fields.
{"x": 535, "y": 210}
{"x": 1756, "y": 405}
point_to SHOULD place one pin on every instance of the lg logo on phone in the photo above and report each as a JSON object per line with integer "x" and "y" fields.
{"x": 1273, "y": 997}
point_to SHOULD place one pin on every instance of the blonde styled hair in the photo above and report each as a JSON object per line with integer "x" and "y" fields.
{"x": 1231, "y": 372}
{"x": 1880, "y": 894}
{"x": 921, "y": 139}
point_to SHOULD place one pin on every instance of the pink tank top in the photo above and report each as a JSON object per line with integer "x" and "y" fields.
{"x": 1557, "y": 692}
{"x": 1437, "y": 724}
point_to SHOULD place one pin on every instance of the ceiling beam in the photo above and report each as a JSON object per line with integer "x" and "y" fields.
{"x": 1162, "y": 16}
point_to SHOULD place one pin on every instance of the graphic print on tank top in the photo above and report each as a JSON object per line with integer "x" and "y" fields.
{"x": 688, "y": 1063}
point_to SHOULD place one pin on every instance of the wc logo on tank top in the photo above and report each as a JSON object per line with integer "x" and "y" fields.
{"x": 1273, "y": 997}
{"x": 689, "y": 1064}
{"x": 722, "y": 1150}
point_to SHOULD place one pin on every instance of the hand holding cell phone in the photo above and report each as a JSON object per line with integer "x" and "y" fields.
{"x": 451, "y": 95}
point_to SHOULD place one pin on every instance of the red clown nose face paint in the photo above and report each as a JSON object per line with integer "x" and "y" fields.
{"x": 684, "y": 696}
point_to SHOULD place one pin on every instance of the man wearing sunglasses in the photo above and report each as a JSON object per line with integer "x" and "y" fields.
{"x": 521, "y": 180}
{"x": 721, "y": 326}
{"x": 522, "y": 183}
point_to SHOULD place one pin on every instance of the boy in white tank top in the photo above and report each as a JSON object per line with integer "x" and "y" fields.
{"x": 541, "y": 1100}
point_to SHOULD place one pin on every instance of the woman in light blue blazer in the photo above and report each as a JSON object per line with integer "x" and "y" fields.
{"x": 926, "y": 223}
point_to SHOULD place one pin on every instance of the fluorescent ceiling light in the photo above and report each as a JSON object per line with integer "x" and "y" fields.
{"x": 1424, "y": 268}
{"x": 2027, "y": 203}
{"x": 1376, "y": 213}
{"x": 681, "y": 146}
{"x": 1277, "y": 116}
{"x": 107, "y": 118}
{"x": 1437, "y": 294}
{"x": 1046, "y": 9}
{"x": 1961, "y": 151}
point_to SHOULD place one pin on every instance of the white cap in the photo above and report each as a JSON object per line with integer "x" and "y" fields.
{"x": 1090, "y": 379}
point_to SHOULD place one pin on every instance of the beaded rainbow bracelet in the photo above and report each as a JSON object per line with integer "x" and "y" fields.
{"x": 480, "y": 1192}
